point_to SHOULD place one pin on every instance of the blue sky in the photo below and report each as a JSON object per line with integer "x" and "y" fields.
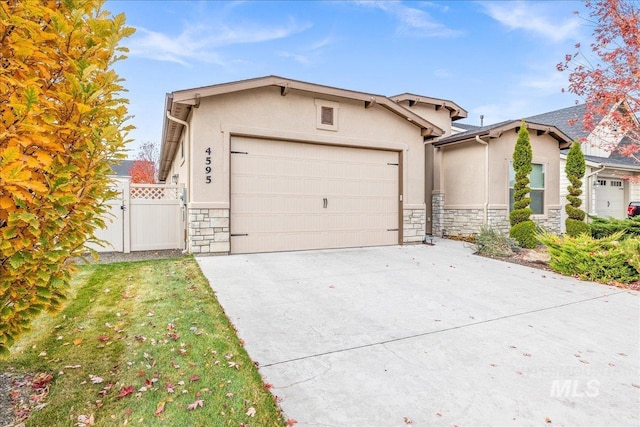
{"x": 492, "y": 58}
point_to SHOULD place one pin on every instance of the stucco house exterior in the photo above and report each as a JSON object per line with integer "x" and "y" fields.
{"x": 273, "y": 164}
{"x": 473, "y": 177}
{"x": 607, "y": 187}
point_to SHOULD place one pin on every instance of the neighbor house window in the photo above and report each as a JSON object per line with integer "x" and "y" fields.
{"x": 327, "y": 114}
{"x": 536, "y": 183}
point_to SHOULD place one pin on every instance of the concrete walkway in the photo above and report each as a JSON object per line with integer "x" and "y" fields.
{"x": 432, "y": 335}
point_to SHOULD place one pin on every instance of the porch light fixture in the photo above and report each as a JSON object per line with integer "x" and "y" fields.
{"x": 174, "y": 178}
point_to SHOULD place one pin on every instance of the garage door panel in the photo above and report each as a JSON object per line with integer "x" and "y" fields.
{"x": 278, "y": 193}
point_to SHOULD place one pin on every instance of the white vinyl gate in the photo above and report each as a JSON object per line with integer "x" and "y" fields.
{"x": 143, "y": 217}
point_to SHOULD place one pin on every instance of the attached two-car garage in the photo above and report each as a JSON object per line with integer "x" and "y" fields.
{"x": 296, "y": 196}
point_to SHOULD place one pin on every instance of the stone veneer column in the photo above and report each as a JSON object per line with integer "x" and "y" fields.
{"x": 208, "y": 231}
{"x": 413, "y": 225}
{"x": 437, "y": 212}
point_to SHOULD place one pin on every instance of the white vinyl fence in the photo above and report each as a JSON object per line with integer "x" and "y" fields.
{"x": 143, "y": 217}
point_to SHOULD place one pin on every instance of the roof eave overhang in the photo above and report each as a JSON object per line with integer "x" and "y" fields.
{"x": 563, "y": 140}
{"x": 193, "y": 96}
{"x": 179, "y": 104}
{"x": 455, "y": 111}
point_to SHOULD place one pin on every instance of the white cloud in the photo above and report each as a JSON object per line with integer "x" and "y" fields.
{"x": 309, "y": 54}
{"x": 412, "y": 21}
{"x": 198, "y": 42}
{"x": 533, "y": 18}
{"x": 443, "y": 73}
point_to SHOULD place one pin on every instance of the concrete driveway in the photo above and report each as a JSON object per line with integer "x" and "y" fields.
{"x": 432, "y": 335}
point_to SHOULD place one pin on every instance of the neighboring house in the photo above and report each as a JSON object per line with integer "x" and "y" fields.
{"x": 607, "y": 189}
{"x": 473, "y": 177}
{"x": 273, "y": 164}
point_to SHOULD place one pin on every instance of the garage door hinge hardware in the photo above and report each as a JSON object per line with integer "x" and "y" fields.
{"x": 239, "y": 152}
{"x": 239, "y": 235}
{"x": 393, "y": 164}
{"x": 393, "y": 229}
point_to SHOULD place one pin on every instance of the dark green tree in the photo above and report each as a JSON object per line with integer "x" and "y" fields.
{"x": 523, "y": 229}
{"x": 575, "y": 168}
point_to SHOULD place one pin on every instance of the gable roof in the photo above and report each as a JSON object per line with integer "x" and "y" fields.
{"x": 496, "y": 130}
{"x": 563, "y": 119}
{"x": 179, "y": 103}
{"x": 455, "y": 111}
{"x": 122, "y": 167}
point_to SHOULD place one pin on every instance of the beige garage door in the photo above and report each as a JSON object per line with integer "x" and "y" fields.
{"x": 295, "y": 196}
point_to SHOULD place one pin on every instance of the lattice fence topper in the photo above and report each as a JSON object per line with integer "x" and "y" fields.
{"x": 154, "y": 192}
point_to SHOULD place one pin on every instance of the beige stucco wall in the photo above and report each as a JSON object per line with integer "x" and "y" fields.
{"x": 459, "y": 182}
{"x": 265, "y": 113}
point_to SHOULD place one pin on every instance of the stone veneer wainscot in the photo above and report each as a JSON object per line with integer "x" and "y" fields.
{"x": 209, "y": 231}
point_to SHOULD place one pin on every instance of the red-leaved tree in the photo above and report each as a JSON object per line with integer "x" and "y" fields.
{"x": 145, "y": 167}
{"x": 608, "y": 79}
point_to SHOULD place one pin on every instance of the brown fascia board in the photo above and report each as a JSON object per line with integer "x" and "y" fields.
{"x": 456, "y": 112}
{"x": 193, "y": 96}
{"x": 497, "y": 131}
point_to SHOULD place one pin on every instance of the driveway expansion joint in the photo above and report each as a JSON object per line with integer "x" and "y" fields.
{"x": 452, "y": 328}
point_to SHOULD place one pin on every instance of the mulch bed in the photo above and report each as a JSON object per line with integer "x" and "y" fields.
{"x": 20, "y": 394}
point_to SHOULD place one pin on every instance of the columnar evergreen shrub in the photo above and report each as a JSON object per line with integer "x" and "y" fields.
{"x": 575, "y": 168}
{"x": 522, "y": 157}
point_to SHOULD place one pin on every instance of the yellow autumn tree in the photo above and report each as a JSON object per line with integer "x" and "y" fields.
{"x": 62, "y": 122}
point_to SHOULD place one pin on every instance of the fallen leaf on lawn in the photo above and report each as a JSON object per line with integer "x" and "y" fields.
{"x": 170, "y": 388}
{"x": 268, "y": 386}
{"x": 77, "y": 341}
{"x": 194, "y": 378}
{"x": 229, "y": 395}
{"x": 194, "y": 405}
{"x": 103, "y": 338}
{"x": 233, "y": 365}
{"x": 105, "y": 390}
{"x": 182, "y": 351}
{"x": 251, "y": 412}
{"x": 126, "y": 391}
{"x": 73, "y": 367}
{"x": 85, "y": 420}
{"x": 42, "y": 353}
{"x": 291, "y": 422}
{"x": 159, "y": 408}
{"x": 95, "y": 379}
{"x": 151, "y": 314}
{"x": 142, "y": 389}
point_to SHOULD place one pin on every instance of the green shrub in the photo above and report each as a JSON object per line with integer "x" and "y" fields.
{"x": 576, "y": 227}
{"x": 493, "y": 243}
{"x": 603, "y": 227}
{"x": 603, "y": 260}
{"x": 575, "y": 168}
{"x": 525, "y": 234}
{"x": 520, "y": 215}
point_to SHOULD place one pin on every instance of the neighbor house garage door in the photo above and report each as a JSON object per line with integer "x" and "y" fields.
{"x": 610, "y": 198}
{"x": 295, "y": 196}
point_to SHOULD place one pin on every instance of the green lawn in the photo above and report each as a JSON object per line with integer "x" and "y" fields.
{"x": 143, "y": 343}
